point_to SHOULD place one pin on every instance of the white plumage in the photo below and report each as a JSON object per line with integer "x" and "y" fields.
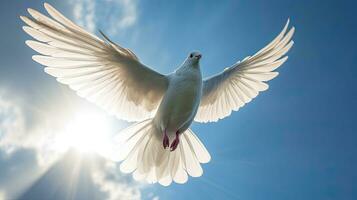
{"x": 240, "y": 83}
{"x": 164, "y": 106}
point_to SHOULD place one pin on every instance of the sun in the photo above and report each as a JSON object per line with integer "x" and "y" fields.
{"x": 87, "y": 132}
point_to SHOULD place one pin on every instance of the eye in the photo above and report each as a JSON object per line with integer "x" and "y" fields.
{"x": 191, "y": 55}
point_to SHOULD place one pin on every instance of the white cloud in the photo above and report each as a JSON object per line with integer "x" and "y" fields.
{"x": 84, "y": 13}
{"x": 15, "y": 133}
{"x": 114, "y": 184}
{"x": 12, "y": 123}
{"x": 18, "y": 138}
{"x": 90, "y": 17}
{"x": 77, "y": 12}
{"x": 128, "y": 18}
{"x": 115, "y": 15}
{"x": 22, "y": 156}
{"x": 2, "y": 195}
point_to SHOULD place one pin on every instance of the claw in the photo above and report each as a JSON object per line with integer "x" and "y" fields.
{"x": 175, "y": 143}
{"x": 165, "y": 140}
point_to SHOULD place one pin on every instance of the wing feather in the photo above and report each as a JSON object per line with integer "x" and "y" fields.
{"x": 242, "y": 82}
{"x": 101, "y": 71}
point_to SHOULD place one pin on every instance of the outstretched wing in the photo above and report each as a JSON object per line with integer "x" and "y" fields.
{"x": 100, "y": 71}
{"x": 240, "y": 83}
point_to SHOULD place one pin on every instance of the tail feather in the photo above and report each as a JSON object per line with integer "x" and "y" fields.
{"x": 131, "y": 137}
{"x": 192, "y": 165}
{"x": 181, "y": 174}
{"x": 175, "y": 164}
{"x": 143, "y": 155}
{"x": 196, "y": 145}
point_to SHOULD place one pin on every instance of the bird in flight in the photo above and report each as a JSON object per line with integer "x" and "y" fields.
{"x": 160, "y": 146}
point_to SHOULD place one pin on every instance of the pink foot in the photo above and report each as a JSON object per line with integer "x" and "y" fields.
{"x": 175, "y": 143}
{"x": 165, "y": 140}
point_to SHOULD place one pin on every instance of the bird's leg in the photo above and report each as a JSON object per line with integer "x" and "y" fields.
{"x": 165, "y": 140}
{"x": 176, "y": 141}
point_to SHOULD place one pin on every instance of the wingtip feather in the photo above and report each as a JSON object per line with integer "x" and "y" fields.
{"x": 35, "y": 58}
{"x": 45, "y": 4}
{"x": 31, "y": 11}
{"x": 49, "y": 7}
{"x": 28, "y": 43}
{"x": 23, "y": 18}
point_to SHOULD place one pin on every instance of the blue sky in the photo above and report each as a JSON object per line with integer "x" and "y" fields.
{"x": 295, "y": 141}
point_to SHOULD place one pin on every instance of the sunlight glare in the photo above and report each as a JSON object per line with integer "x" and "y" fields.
{"x": 87, "y": 132}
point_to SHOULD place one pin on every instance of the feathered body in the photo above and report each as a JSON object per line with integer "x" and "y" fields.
{"x": 180, "y": 103}
{"x": 175, "y": 114}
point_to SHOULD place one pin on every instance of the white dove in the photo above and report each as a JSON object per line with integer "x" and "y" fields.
{"x": 164, "y": 106}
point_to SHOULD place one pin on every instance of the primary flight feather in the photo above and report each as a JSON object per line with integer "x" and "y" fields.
{"x": 160, "y": 147}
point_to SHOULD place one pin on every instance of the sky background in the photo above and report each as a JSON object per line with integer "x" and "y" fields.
{"x": 298, "y": 140}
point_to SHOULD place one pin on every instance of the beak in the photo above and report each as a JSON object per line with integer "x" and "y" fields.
{"x": 198, "y": 56}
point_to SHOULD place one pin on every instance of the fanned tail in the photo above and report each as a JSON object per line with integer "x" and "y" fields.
{"x": 143, "y": 155}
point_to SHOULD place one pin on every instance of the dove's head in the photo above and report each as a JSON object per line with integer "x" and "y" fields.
{"x": 196, "y": 56}
{"x": 192, "y": 61}
{"x": 193, "y": 58}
